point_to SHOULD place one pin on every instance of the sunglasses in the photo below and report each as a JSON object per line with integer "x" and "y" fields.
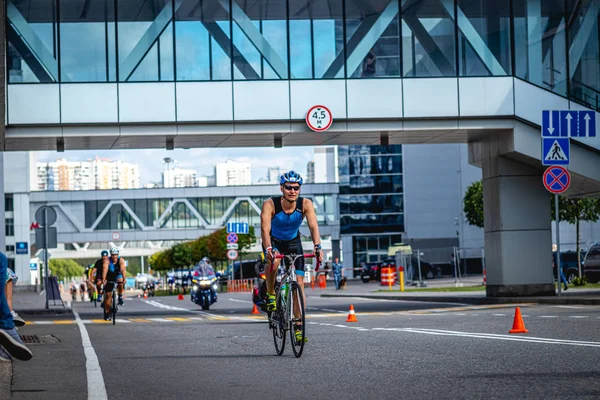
{"x": 288, "y": 187}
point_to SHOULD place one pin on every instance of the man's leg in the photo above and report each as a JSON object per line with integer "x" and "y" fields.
{"x": 107, "y": 299}
{"x": 271, "y": 273}
{"x": 120, "y": 289}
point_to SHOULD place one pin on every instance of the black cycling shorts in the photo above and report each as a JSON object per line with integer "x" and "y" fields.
{"x": 287, "y": 247}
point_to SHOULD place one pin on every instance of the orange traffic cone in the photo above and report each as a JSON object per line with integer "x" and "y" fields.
{"x": 145, "y": 296}
{"x": 180, "y": 297}
{"x": 518, "y": 325}
{"x": 255, "y": 310}
{"x": 351, "y": 315}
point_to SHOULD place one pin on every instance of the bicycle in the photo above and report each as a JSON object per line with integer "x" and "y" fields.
{"x": 289, "y": 298}
{"x": 114, "y": 307}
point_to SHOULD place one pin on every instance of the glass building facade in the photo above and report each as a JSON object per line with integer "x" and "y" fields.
{"x": 553, "y": 44}
{"x": 371, "y": 199}
{"x": 180, "y": 216}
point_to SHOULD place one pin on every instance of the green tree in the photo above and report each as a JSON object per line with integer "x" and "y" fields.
{"x": 182, "y": 255}
{"x": 473, "y": 204}
{"x": 574, "y": 211}
{"x": 65, "y": 268}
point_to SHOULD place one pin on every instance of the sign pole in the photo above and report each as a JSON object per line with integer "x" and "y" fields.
{"x": 46, "y": 254}
{"x": 558, "y": 266}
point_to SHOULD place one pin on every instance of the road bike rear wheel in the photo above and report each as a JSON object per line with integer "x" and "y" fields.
{"x": 114, "y": 307}
{"x": 297, "y": 301}
{"x": 278, "y": 325}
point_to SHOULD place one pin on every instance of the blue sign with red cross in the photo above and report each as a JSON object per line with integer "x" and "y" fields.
{"x": 556, "y": 179}
{"x": 232, "y": 238}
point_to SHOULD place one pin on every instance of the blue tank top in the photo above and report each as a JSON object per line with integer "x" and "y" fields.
{"x": 114, "y": 268}
{"x": 286, "y": 226}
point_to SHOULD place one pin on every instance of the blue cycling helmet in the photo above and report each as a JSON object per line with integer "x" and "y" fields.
{"x": 291, "y": 176}
{"x": 104, "y": 253}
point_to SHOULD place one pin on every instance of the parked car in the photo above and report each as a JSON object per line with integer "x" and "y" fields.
{"x": 568, "y": 262}
{"x": 591, "y": 264}
{"x": 428, "y": 270}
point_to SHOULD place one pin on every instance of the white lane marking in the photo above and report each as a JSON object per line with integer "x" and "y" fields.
{"x": 578, "y": 316}
{"x": 342, "y": 326}
{"x": 95, "y": 380}
{"x": 574, "y": 307}
{"x": 241, "y": 301}
{"x": 41, "y": 322}
{"x": 499, "y": 315}
{"x": 548, "y": 316}
{"x": 531, "y": 339}
{"x": 159, "y": 320}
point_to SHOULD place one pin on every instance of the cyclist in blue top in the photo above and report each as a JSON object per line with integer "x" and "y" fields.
{"x": 281, "y": 218}
{"x": 113, "y": 270}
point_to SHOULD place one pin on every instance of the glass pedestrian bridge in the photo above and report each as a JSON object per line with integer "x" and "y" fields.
{"x": 101, "y": 69}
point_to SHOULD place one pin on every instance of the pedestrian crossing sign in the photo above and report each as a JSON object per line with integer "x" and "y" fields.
{"x": 555, "y": 151}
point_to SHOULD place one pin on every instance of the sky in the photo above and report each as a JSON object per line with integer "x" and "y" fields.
{"x": 201, "y": 160}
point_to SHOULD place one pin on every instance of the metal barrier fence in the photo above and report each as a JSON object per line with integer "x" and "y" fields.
{"x": 421, "y": 264}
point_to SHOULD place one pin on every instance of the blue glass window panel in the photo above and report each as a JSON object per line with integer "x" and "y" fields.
{"x": 275, "y": 32}
{"x": 166, "y": 55}
{"x": 324, "y": 46}
{"x": 147, "y": 70}
{"x": 112, "y": 49}
{"x": 193, "y": 61}
{"x": 300, "y": 49}
{"x": 247, "y": 50}
{"x": 83, "y": 52}
{"x": 491, "y": 22}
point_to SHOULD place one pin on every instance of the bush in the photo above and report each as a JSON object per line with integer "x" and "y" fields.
{"x": 577, "y": 281}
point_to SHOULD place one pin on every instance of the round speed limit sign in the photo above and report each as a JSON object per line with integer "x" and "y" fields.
{"x": 319, "y": 118}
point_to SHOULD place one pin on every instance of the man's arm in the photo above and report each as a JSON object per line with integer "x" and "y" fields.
{"x": 104, "y": 270}
{"x": 123, "y": 268}
{"x": 265, "y": 222}
{"x": 311, "y": 219}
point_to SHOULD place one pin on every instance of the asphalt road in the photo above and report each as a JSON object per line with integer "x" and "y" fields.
{"x": 166, "y": 348}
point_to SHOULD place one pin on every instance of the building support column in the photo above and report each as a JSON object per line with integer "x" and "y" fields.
{"x": 517, "y": 224}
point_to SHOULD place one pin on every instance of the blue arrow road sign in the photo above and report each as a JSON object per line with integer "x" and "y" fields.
{"x": 568, "y": 123}
{"x": 555, "y": 151}
{"x": 237, "y": 227}
{"x": 586, "y": 123}
{"x": 550, "y": 123}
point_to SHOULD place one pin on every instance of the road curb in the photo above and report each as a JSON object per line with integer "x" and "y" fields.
{"x": 477, "y": 300}
{"x": 6, "y": 373}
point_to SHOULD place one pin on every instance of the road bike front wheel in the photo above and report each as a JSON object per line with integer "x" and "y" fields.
{"x": 278, "y": 325}
{"x": 114, "y": 307}
{"x": 296, "y": 307}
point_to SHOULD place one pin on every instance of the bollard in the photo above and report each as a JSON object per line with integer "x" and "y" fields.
{"x": 401, "y": 279}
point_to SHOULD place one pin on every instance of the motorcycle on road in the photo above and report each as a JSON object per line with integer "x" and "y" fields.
{"x": 204, "y": 286}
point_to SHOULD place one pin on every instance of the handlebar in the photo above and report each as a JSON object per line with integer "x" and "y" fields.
{"x": 295, "y": 256}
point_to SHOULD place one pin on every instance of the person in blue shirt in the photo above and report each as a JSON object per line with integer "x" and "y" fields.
{"x": 10, "y": 341}
{"x": 281, "y": 218}
{"x": 337, "y": 272}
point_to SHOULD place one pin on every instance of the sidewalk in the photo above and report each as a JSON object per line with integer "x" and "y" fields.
{"x": 374, "y": 290}
{"x": 32, "y": 303}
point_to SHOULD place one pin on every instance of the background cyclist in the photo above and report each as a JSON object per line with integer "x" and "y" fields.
{"x": 113, "y": 270}
{"x": 99, "y": 267}
{"x": 281, "y": 218}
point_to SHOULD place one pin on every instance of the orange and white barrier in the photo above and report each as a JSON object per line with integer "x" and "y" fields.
{"x": 240, "y": 285}
{"x": 388, "y": 276}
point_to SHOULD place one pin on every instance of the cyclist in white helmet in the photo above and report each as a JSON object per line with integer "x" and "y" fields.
{"x": 113, "y": 270}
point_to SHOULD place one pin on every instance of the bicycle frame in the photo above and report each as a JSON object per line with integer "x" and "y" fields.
{"x": 288, "y": 277}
